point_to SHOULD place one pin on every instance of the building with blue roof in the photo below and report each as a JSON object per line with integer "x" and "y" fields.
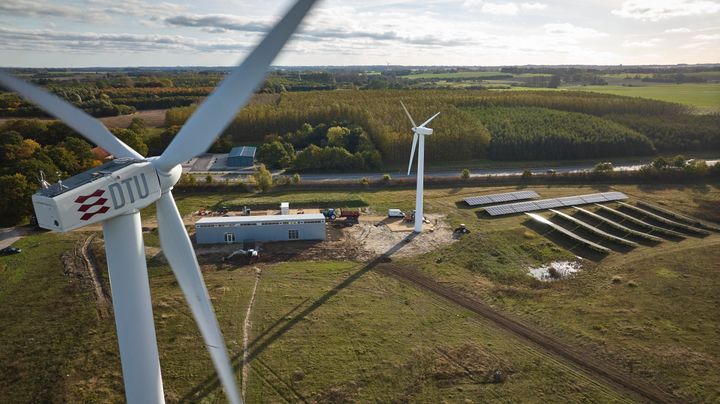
{"x": 243, "y": 156}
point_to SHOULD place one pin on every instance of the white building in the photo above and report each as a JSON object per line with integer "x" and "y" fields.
{"x": 238, "y": 229}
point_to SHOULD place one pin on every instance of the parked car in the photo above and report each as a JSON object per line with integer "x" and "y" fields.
{"x": 10, "y": 250}
{"x": 395, "y": 213}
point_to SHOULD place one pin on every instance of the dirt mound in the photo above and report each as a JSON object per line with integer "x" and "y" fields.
{"x": 379, "y": 239}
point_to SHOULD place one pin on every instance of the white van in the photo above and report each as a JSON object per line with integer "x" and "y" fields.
{"x": 395, "y": 213}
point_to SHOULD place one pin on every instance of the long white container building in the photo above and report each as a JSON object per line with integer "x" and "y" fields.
{"x": 238, "y": 229}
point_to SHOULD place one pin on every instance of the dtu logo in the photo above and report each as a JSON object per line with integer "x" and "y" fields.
{"x": 136, "y": 188}
{"x": 98, "y": 202}
{"x": 125, "y": 192}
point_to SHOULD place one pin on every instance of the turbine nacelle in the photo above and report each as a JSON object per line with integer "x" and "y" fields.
{"x": 116, "y": 188}
{"x": 423, "y": 131}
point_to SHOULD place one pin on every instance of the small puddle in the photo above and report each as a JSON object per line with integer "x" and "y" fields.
{"x": 555, "y": 270}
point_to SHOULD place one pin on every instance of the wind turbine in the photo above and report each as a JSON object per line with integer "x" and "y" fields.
{"x": 419, "y": 140}
{"x": 115, "y": 192}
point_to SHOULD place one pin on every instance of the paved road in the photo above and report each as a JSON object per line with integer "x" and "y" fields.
{"x": 9, "y": 235}
{"x": 476, "y": 172}
{"x": 201, "y": 162}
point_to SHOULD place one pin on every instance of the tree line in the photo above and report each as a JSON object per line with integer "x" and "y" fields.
{"x": 530, "y": 133}
{"x": 29, "y": 147}
{"x": 463, "y": 136}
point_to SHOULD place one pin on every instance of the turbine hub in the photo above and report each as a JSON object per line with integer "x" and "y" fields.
{"x": 168, "y": 179}
{"x": 423, "y": 131}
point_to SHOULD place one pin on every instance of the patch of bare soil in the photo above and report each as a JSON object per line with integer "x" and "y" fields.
{"x": 448, "y": 367}
{"x": 379, "y": 239}
{"x": 154, "y": 118}
{"x": 361, "y": 242}
{"x": 80, "y": 264}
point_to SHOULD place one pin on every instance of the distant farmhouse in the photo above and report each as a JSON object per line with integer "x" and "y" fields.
{"x": 243, "y": 156}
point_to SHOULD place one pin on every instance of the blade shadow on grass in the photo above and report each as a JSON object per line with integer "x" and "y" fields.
{"x": 259, "y": 343}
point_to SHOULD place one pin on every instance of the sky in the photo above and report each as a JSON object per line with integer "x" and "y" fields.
{"x": 107, "y": 33}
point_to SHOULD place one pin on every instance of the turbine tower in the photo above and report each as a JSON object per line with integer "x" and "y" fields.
{"x": 115, "y": 192}
{"x": 419, "y": 133}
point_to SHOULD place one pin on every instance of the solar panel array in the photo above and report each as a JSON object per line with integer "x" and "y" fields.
{"x": 497, "y": 198}
{"x": 588, "y": 243}
{"x": 520, "y": 207}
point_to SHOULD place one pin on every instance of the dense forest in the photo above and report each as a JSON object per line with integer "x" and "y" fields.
{"x": 527, "y": 133}
{"x": 591, "y": 124}
{"x": 29, "y": 147}
{"x": 675, "y": 132}
{"x": 336, "y": 147}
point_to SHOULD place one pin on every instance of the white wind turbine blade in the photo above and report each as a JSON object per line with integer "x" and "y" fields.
{"x": 429, "y": 120}
{"x": 412, "y": 153}
{"x": 89, "y": 127}
{"x": 220, "y": 108}
{"x": 179, "y": 252}
{"x": 408, "y": 115}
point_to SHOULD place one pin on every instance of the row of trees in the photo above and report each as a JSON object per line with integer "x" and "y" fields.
{"x": 91, "y": 100}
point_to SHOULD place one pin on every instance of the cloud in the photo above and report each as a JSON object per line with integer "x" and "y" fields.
{"x": 705, "y": 37}
{"x": 52, "y": 40}
{"x": 650, "y": 43}
{"x": 509, "y": 8}
{"x": 30, "y": 8}
{"x": 533, "y": 6}
{"x": 572, "y": 31}
{"x": 695, "y": 45}
{"x": 224, "y": 23}
{"x": 221, "y": 22}
{"x": 682, "y": 30}
{"x": 656, "y": 10}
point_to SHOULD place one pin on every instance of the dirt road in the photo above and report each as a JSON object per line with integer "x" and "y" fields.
{"x": 567, "y": 354}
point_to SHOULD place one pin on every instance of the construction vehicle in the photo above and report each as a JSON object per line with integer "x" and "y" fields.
{"x": 410, "y": 217}
{"x": 350, "y": 215}
{"x": 461, "y": 230}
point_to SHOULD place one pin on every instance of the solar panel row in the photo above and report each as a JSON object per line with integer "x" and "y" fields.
{"x": 497, "y": 198}
{"x": 588, "y": 243}
{"x": 542, "y": 204}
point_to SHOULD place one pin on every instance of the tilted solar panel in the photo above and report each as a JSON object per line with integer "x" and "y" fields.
{"x": 497, "y": 198}
{"x": 542, "y": 204}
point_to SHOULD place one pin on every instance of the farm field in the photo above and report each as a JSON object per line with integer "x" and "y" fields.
{"x": 353, "y": 333}
{"x": 705, "y": 97}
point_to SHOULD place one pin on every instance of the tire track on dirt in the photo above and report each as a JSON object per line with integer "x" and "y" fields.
{"x": 102, "y": 297}
{"x": 568, "y": 355}
{"x": 246, "y": 333}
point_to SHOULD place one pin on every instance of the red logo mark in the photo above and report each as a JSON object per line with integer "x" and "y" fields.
{"x": 85, "y": 207}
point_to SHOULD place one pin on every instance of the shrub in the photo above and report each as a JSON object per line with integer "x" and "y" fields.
{"x": 209, "y": 179}
{"x": 386, "y": 178}
{"x": 263, "y": 178}
{"x": 603, "y": 167}
{"x": 296, "y": 178}
{"x": 527, "y": 174}
{"x": 364, "y": 181}
{"x": 465, "y": 174}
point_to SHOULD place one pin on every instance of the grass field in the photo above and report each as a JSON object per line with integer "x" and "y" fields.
{"x": 458, "y": 75}
{"x": 327, "y": 331}
{"x": 704, "y": 97}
